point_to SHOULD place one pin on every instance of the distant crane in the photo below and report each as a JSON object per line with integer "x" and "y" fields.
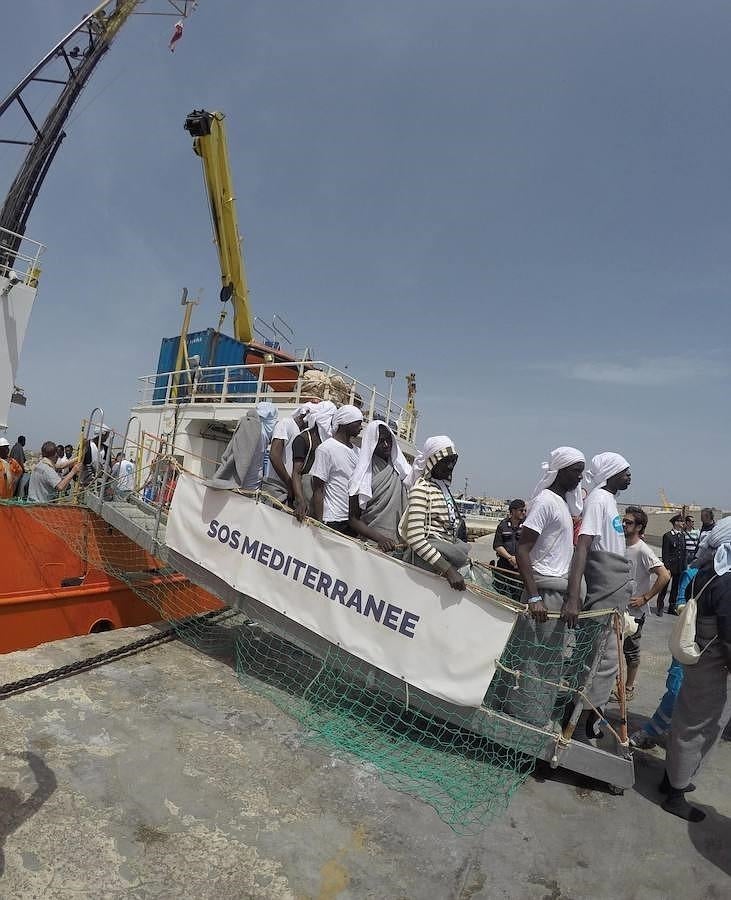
{"x": 666, "y": 504}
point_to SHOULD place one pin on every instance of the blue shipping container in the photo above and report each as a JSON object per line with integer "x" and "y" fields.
{"x": 215, "y": 351}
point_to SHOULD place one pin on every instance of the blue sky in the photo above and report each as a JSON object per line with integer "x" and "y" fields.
{"x": 526, "y": 202}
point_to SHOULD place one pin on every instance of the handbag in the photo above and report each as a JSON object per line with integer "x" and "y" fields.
{"x": 682, "y": 642}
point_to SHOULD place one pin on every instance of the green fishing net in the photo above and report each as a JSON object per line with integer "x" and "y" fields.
{"x": 465, "y": 763}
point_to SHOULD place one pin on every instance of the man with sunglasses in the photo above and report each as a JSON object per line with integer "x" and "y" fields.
{"x": 644, "y": 565}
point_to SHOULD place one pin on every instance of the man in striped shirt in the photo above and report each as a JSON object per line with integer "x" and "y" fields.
{"x": 434, "y": 529}
{"x": 692, "y": 538}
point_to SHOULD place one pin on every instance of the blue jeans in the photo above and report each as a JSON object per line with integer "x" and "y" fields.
{"x": 659, "y": 724}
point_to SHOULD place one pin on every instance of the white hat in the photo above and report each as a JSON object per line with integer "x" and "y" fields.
{"x": 4, "y": 442}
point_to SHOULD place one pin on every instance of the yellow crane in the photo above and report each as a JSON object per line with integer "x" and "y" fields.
{"x": 666, "y": 504}
{"x": 209, "y": 142}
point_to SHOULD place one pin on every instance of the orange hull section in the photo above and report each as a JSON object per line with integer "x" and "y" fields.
{"x": 48, "y": 592}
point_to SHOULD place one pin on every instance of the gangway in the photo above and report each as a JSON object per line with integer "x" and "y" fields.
{"x": 144, "y": 522}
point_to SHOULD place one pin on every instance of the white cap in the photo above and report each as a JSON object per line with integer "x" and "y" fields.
{"x": 4, "y": 442}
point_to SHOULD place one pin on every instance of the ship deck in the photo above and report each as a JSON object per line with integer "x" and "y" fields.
{"x": 159, "y": 776}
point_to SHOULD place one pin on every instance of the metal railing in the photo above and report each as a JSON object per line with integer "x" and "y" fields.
{"x": 279, "y": 383}
{"x": 153, "y": 484}
{"x": 26, "y": 258}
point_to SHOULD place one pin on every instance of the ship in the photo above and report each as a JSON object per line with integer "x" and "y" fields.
{"x": 378, "y": 652}
{"x": 204, "y": 382}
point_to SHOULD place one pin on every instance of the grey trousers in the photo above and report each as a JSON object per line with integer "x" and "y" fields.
{"x": 275, "y": 488}
{"x": 702, "y": 709}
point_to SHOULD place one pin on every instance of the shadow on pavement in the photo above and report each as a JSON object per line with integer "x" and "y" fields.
{"x": 14, "y": 810}
{"x": 711, "y": 837}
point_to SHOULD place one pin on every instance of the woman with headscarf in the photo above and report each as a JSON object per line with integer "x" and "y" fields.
{"x": 702, "y": 709}
{"x": 434, "y": 530}
{"x": 319, "y": 421}
{"x": 377, "y": 491}
{"x": 335, "y": 462}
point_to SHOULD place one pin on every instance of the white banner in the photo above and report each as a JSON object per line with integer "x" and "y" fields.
{"x": 403, "y": 620}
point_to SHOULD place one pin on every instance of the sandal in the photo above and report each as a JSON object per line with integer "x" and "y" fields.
{"x": 629, "y": 693}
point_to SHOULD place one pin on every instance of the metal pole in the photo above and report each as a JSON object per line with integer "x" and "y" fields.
{"x": 161, "y": 500}
{"x": 390, "y": 374}
{"x": 106, "y": 466}
{"x": 85, "y": 443}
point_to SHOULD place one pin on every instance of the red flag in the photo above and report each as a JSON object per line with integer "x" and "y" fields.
{"x": 177, "y": 34}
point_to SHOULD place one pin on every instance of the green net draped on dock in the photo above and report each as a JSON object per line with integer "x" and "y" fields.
{"x": 464, "y": 763}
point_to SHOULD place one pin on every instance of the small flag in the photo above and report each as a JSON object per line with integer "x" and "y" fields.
{"x": 177, "y": 34}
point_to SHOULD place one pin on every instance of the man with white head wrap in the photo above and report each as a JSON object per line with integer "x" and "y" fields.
{"x": 317, "y": 419}
{"x": 378, "y": 495}
{"x": 434, "y": 529}
{"x": 278, "y": 481}
{"x": 600, "y": 558}
{"x": 546, "y": 542}
{"x": 703, "y": 707}
{"x": 335, "y": 462}
{"x": 544, "y": 557}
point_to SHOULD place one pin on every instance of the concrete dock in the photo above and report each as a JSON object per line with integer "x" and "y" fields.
{"x": 159, "y": 776}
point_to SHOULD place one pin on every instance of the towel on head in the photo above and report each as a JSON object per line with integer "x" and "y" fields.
{"x": 362, "y": 479}
{"x": 268, "y": 415}
{"x": 321, "y": 415}
{"x": 558, "y": 459}
{"x": 346, "y": 415}
{"x": 603, "y": 467}
{"x": 423, "y": 464}
{"x": 303, "y": 410}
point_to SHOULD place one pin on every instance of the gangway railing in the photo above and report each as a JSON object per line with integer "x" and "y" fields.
{"x": 143, "y": 520}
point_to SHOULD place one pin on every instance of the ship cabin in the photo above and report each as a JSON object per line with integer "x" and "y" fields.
{"x": 191, "y": 410}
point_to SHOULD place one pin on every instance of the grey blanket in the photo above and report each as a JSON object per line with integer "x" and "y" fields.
{"x": 608, "y": 581}
{"x": 240, "y": 453}
{"x": 702, "y": 709}
{"x": 388, "y": 502}
{"x": 608, "y": 586}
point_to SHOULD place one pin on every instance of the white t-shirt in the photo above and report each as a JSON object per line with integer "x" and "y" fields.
{"x": 334, "y": 464}
{"x": 285, "y": 430}
{"x": 603, "y": 521}
{"x": 550, "y": 517}
{"x": 641, "y": 558}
